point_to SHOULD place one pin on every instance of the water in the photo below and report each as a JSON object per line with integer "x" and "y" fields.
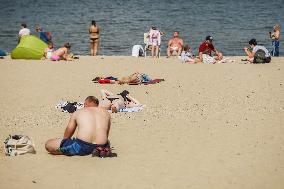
{"x": 123, "y": 22}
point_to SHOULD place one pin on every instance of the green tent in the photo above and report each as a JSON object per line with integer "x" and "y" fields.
{"x": 30, "y": 47}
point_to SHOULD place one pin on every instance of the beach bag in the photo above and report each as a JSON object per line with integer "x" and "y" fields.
{"x": 18, "y": 144}
{"x": 259, "y": 57}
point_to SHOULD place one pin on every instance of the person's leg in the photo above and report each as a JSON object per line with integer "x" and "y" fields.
{"x": 96, "y": 44}
{"x": 219, "y": 56}
{"x": 179, "y": 51}
{"x": 157, "y": 51}
{"x": 168, "y": 51}
{"x": 153, "y": 50}
{"x": 53, "y": 145}
{"x": 92, "y": 47}
{"x": 277, "y": 43}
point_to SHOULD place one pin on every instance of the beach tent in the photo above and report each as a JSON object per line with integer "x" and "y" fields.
{"x": 30, "y": 47}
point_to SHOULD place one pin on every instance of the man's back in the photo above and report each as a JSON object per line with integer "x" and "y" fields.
{"x": 93, "y": 124}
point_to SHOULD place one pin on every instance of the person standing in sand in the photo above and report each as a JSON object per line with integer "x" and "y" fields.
{"x": 94, "y": 38}
{"x": 155, "y": 41}
{"x": 93, "y": 125}
{"x": 175, "y": 45}
{"x": 275, "y": 36}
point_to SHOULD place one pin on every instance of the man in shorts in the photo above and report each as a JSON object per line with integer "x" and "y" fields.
{"x": 206, "y": 50}
{"x": 175, "y": 44}
{"x": 93, "y": 125}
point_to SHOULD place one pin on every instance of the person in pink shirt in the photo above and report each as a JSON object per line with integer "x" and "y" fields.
{"x": 155, "y": 41}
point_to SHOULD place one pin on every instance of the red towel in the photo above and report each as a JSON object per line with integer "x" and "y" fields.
{"x": 104, "y": 81}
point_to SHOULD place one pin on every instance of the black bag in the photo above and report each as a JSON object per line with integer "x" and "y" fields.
{"x": 70, "y": 107}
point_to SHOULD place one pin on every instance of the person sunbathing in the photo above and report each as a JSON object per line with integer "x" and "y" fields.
{"x": 62, "y": 53}
{"x": 93, "y": 123}
{"x": 115, "y": 102}
{"x": 134, "y": 79}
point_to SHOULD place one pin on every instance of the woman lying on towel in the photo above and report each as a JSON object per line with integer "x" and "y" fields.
{"x": 133, "y": 79}
{"x": 115, "y": 102}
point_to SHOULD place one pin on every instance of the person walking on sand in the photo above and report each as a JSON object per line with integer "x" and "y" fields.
{"x": 175, "y": 45}
{"x": 94, "y": 32}
{"x": 206, "y": 49}
{"x": 275, "y": 36}
{"x": 93, "y": 126}
{"x": 23, "y": 31}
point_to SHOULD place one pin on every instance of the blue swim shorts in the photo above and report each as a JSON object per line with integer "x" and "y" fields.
{"x": 72, "y": 147}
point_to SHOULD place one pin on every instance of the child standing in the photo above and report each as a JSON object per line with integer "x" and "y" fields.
{"x": 275, "y": 36}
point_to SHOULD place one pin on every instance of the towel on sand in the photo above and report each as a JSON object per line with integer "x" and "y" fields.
{"x": 133, "y": 109}
{"x": 70, "y": 107}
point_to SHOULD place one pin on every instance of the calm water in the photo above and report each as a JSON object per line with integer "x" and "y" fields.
{"x": 231, "y": 23}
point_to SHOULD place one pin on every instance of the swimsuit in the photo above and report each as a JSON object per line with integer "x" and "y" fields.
{"x": 75, "y": 146}
{"x": 55, "y": 57}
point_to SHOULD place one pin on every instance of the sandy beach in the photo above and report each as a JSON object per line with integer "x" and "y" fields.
{"x": 206, "y": 126}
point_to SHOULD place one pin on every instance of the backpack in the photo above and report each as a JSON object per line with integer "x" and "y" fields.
{"x": 259, "y": 57}
{"x": 18, "y": 144}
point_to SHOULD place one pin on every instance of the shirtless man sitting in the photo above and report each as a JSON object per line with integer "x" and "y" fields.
{"x": 93, "y": 125}
{"x": 175, "y": 45}
{"x": 62, "y": 53}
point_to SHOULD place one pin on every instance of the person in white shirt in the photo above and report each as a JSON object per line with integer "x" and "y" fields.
{"x": 24, "y": 31}
{"x": 257, "y": 53}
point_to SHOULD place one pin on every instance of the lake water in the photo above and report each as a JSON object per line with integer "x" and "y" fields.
{"x": 122, "y": 23}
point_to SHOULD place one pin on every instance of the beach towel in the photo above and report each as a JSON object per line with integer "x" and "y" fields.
{"x": 129, "y": 110}
{"x": 18, "y": 144}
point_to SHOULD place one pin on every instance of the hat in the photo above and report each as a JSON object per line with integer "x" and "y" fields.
{"x": 209, "y": 38}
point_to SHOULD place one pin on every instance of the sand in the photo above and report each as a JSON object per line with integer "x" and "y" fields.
{"x": 207, "y": 126}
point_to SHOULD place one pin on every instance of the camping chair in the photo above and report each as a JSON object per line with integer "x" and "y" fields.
{"x": 148, "y": 46}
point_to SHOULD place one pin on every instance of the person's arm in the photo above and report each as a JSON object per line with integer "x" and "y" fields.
{"x": 169, "y": 43}
{"x": 181, "y": 43}
{"x": 71, "y": 127}
{"x": 276, "y": 34}
{"x": 249, "y": 53}
{"x": 200, "y": 56}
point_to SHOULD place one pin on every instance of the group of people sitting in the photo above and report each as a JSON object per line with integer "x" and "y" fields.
{"x": 207, "y": 53}
{"x": 176, "y": 47}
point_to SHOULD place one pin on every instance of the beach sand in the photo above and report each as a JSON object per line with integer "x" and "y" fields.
{"x": 206, "y": 126}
